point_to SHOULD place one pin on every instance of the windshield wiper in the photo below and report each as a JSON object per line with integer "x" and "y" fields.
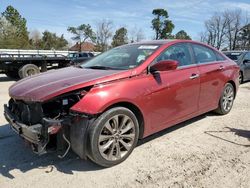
{"x": 100, "y": 67}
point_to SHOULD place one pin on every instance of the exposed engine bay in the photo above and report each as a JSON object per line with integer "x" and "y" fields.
{"x": 47, "y": 126}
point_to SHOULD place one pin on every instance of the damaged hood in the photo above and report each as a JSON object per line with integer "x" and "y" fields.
{"x": 47, "y": 85}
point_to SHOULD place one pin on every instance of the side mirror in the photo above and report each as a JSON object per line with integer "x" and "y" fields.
{"x": 246, "y": 61}
{"x": 165, "y": 65}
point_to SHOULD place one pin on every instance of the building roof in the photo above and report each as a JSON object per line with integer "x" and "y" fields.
{"x": 85, "y": 46}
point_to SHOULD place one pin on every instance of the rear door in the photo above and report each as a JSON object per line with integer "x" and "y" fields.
{"x": 211, "y": 66}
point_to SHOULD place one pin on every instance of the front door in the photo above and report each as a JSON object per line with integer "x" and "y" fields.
{"x": 174, "y": 94}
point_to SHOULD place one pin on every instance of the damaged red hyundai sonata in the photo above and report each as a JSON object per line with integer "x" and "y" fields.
{"x": 101, "y": 108}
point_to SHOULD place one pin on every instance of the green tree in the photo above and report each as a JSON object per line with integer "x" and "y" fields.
{"x": 161, "y": 24}
{"x": 52, "y": 41}
{"x": 17, "y": 21}
{"x": 82, "y": 33}
{"x": 182, "y": 35}
{"x": 244, "y": 38}
{"x": 7, "y": 34}
{"x": 120, "y": 37}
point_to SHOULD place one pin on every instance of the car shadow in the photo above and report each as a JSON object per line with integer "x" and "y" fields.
{"x": 245, "y": 85}
{"x": 174, "y": 128}
{"x": 238, "y": 132}
{"x": 15, "y": 154}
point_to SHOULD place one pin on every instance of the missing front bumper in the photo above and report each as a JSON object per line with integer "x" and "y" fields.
{"x": 39, "y": 135}
{"x": 31, "y": 133}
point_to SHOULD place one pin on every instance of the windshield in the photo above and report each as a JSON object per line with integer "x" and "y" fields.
{"x": 234, "y": 55}
{"x": 122, "y": 58}
{"x": 72, "y": 55}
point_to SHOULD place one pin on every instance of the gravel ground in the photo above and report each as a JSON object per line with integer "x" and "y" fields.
{"x": 207, "y": 151}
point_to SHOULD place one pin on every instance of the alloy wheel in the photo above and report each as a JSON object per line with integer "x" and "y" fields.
{"x": 228, "y": 98}
{"x": 117, "y": 137}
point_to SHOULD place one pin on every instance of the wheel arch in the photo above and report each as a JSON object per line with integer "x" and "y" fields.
{"x": 234, "y": 86}
{"x": 135, "y": 110}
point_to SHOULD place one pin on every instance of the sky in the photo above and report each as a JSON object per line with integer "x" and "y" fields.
{"x": 57, "y": 15}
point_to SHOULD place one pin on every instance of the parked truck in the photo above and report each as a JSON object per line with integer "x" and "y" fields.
{"x": 23, "y": 63}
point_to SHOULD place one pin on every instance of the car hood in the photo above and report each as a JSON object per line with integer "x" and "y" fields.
{"x": 50, "y": 84}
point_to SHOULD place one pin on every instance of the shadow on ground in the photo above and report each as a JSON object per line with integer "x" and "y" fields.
{"x": 6, "y": 79}
{"x": 14, "y": 154}
{"x": 238, "y": 132}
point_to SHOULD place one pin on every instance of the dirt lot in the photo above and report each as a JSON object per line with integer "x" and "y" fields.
{"x": 207, "y": 151}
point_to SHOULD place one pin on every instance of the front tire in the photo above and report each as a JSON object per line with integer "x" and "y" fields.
{"x": 113, "y": 136}
{"x": 226, "y": 100}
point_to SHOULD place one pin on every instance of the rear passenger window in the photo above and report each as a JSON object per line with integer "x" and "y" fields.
{"x": 220, "y": 57}
{"x": 203, "y": 54}
{"x": 83, "y": 55}
{"x": 179, "y": 52}
{"x": 91, "y": 55}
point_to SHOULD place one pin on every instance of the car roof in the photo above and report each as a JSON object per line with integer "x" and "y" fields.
{"x": 234, "y": 51}
{"x": 162, "y": 42}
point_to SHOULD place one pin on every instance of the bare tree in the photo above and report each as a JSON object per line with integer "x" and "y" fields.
{"x": 222, "y": 30}
{"x": 103, "y": 34}
{"x": 216, "y": 28}
{"x": 35, "y": 39}
{"x": 136, "y": 35}
{"x": 233, "y": 27}
{"x": 203, "y": 37}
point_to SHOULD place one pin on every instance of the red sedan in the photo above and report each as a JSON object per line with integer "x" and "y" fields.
{"x": 101, "y": 108}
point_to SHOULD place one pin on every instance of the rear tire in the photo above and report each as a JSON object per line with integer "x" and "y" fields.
{"x": 226, "y": 100}
{"x": 113, "y": 136}
{"x": 241, "y": 78}
{"x": 28, "y": 70}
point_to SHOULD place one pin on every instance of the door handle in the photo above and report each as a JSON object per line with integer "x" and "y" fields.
{"x": 221, "y": 67}
{"x": 194, "y": 76}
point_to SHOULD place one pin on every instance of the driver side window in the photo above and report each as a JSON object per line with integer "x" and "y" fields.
{"x": 179, "y": 52}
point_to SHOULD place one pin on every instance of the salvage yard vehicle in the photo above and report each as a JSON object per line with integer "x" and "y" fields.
{"x": 79, "y": 57}
{"x": 23, "y": 63}
{"x": 242, "y": 58}
{"x": 101, "y": 108}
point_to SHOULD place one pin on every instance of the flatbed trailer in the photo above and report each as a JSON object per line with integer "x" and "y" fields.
{"x": 23, "y": 63}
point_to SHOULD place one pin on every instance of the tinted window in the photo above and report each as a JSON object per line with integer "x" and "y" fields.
{"x": 203, "y": 54}
{"x": 247, "y": 56}
{"x": 83, "y": 55}
{"x": 220, "y": 57}
{"x": 179, "y": 52}
{"x": 91, "y": 55}
{"x": 233, "y": 55}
